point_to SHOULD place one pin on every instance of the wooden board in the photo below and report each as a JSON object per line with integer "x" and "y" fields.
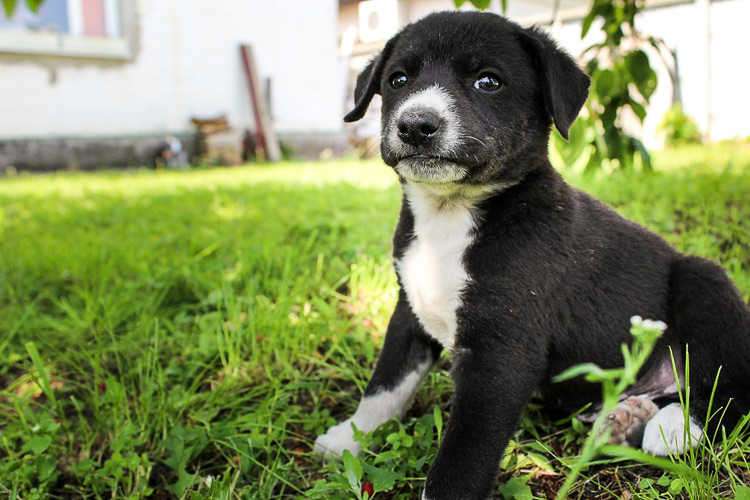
{"x": 265, "y": 137}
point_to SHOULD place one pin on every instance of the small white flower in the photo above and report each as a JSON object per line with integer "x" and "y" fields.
{"x": 208, "y": 480}
{"x": 654, "y": 325}
{"x": 636, "y": 320}
{"x": 35, "y": 428}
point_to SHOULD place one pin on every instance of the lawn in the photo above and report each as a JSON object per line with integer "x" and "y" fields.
{"x": 189, "y": 334}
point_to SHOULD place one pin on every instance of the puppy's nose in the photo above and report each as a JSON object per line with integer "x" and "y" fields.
{"x": 417, "y": 126}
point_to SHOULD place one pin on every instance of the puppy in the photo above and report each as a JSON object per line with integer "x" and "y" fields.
{"x": 516, "y": 273}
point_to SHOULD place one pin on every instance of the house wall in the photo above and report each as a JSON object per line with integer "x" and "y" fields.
{"x": 185, "y": 64}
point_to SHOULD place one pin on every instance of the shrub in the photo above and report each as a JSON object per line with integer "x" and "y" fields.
{"x": 679, "y": 128}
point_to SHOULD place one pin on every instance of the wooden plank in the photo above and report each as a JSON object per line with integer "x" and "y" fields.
{"x": 266, "y": 138}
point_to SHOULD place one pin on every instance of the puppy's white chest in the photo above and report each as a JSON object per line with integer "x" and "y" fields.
{"x": 433, "y": 279}
{"x": 432, "y": 269}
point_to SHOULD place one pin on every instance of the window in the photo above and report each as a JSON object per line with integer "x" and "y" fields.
{"x": 69, "y": 28}
{"x": 52, "y": 16}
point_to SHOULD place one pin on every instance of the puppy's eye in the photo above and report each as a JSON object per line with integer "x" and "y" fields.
{"x": 487, "y": 82}
{"x": 398, "y": 80}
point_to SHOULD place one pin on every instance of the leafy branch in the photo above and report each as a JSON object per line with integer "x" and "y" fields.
{"x": 623, "y": 79}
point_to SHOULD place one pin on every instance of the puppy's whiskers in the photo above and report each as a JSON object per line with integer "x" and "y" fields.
{"x": 476, "y": 139}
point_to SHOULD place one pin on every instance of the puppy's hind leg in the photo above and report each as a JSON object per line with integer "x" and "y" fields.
{"x": 707, "y": 313}
{"x": 408, "y": 355}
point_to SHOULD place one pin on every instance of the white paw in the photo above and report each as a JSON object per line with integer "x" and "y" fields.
{"x": 665, "y": 433}
{"x": 340, "y": 437}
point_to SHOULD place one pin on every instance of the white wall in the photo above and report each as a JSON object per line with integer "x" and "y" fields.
{"x": 187, "y": 64}
{"x": 730, "y": 72}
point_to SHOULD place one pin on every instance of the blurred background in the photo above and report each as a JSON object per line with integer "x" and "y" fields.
{"x": 96, "y": 83}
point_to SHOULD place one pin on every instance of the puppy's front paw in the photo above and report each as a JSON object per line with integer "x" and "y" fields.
{"x": 340, "y": 437}
{"x": 628, "y": 421}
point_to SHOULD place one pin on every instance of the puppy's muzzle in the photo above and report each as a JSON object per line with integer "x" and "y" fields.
{"x": 417, "y": 127}
{"x": 422, "y": 139}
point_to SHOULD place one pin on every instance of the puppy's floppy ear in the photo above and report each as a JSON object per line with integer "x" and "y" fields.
{"x": 564, "y": 85}
{"x": 368, "y": 82}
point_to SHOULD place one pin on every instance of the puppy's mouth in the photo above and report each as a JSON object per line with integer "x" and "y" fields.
{"x": 430, "y": 169}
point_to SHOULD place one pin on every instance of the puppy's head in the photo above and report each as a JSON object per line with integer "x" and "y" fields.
{"x": 469, "y": 98}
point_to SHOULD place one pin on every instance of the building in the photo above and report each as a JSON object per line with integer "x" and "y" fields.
{"x": 90, "y": 83}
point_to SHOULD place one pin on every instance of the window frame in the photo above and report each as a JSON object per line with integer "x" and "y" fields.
{"x": 115, "y": 45}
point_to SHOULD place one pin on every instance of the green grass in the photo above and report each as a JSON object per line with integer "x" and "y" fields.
{"x": 188, "y": 334}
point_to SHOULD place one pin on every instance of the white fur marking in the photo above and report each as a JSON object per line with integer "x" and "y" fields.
{"x": 372, "y": 412}
{"x": 665, "y": 433}
{"x": 432, "y": 268}
{"x": 437, "y": 99}
{"x": 430, "y": 170}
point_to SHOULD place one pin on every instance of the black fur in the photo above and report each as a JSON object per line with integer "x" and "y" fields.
{"x": 564, "y": 86}
{"x": 368, "y": 83}
{"x": 555, "y": 275}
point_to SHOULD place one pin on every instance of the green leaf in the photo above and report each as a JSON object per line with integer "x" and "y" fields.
{"x": 382, "y": 479}
{"x": 742, "y": 493}
{"x": 481, "y": 4}
{"x": 638, "y": 65}
{"x": 39, "y": 444}
{"x": 45, "y": 467}
{"x": 540, "y": 461}
{"x": 577, "y": 426}
{"x": 645, "y": 156}
{"x": 587, "y": 23}
{"x": 353, "y": 470}
{"x": 578, "y": 370}
{"x": 601, "y": 8}
{"x": 407, "y": 441}
{"x": 84, "y": 467}
{"x": 459, "y": 3}
{"x": 676, "y": 486}
{"x": 184, "y": 481}
{"x": 644, "y": 77}
{"x": 580, "y": 135}
{"x": 517, "y": 489}
{"x": 438, "y": 417}
{"x": 183, "y": 443}
{"x": 42, "y": 378}
{"x": 664, "y": 480}
{"x": 606, "y": 83}
{"x": 34, "y": 5}
{"x": 646, "y": 483}
{"x": 9, "y": 6}
{"x": 639, "y": 110}
{"x": 589, "y": 19}
{"x": 608, "y": 117}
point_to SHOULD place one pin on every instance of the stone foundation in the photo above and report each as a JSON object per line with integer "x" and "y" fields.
{"x": 44, "y": 155}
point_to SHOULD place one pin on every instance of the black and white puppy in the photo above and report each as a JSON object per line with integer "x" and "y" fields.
{"x": 518, "y": 274}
